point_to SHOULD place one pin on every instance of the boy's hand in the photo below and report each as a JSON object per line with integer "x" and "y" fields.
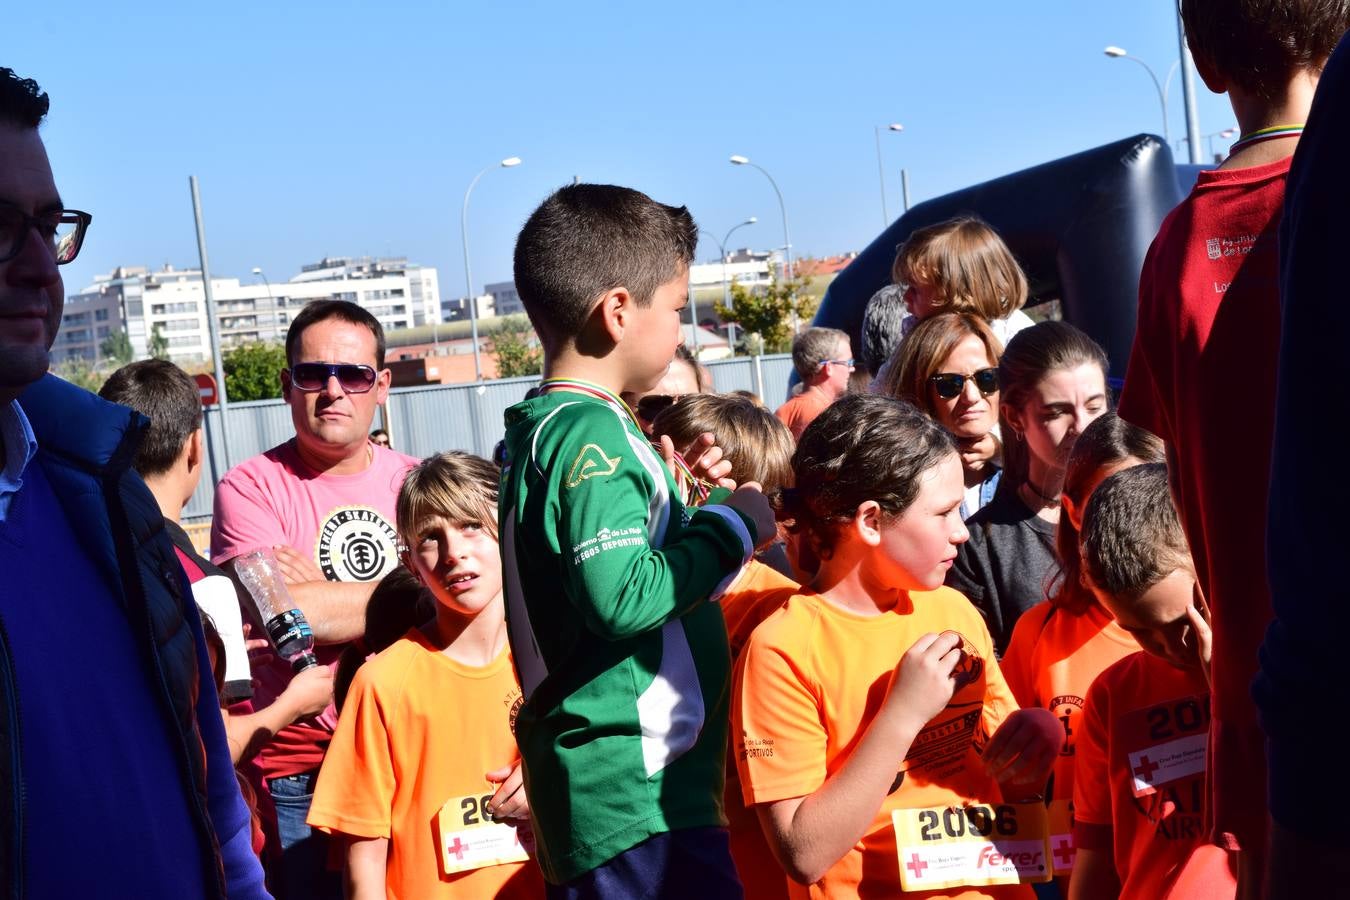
{"x": 509, "y": 804}
{"x": 703, "y": 457}
{"x": 1023, "y": 750}
{"x": 310, "y": 691}
{"x": 1202, "y": 636}
{"x": 922, "y": 684}
{"x": 750, "y": 501}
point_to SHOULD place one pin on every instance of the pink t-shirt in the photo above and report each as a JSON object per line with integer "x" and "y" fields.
{"x": 344, "y": 522}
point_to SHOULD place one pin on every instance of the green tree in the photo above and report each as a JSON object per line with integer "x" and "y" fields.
{"x": 159, "y": 344}
{"x": 82, "y": 373}
{"x": 768, "y": 312}
{"x": 252, "y": 371}
{"x": 516, "y": 348}
{"x": 116, "y": 348}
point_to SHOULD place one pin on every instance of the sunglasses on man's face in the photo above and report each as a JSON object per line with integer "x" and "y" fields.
{"x": 313, "y": 376}
{"x": 949, "y": 385}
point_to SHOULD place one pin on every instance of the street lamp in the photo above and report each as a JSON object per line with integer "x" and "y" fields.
{"x": 271, "y": 301}
{"x": 508, "y": 163}
{"x": 726, "y": 285}
{"x": 881, "y": 170}
{"x": 1119, "y": 53}
{"x": 739, "y": 160}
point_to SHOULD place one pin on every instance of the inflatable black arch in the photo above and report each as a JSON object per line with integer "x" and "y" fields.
{"x": 1080, "y": 227}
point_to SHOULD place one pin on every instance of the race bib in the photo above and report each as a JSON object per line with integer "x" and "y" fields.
{"x": 1062, "y": 848}
{"x": 469, "y": 839}
{"x": 977, "y": 845}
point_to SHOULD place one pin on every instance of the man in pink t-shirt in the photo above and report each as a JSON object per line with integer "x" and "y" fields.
{"x": 324, "y": 503}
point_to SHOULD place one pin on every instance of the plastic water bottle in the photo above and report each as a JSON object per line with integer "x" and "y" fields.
{"x": 286, "y": 625}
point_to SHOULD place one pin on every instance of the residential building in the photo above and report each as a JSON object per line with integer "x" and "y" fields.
{"x": 505, "y": 300}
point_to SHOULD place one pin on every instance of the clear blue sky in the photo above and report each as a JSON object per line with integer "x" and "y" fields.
{"x": 348, "y": 128}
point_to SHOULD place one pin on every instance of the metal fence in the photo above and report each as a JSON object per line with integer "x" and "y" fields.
{"x": 425, "y": 420}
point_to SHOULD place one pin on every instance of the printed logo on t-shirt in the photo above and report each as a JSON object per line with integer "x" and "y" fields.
{"x": 356, "y": 543}
{"x": 1067, "y": 708}
{"x": 939, "y": 751}
{"x": 590, "y": 462}
{"x": 513, "y": 701}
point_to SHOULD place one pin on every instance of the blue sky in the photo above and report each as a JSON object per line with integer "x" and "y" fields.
{"x": 348, "y": 128}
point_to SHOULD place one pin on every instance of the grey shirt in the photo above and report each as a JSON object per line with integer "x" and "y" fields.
{"x": 1007, "y": 564}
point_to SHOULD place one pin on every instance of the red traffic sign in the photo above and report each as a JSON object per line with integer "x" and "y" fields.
{"x": 206, "y": 386}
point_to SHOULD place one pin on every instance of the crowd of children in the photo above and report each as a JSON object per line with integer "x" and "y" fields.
{"x": 969, "y": 634}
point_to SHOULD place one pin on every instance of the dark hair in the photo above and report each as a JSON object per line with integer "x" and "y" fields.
{"x": 1260, "y": 45}
{"x": 881, "y": 327}
{"x": 1132, "y": 536}
{"x": 586, "y": 239}
{"x": 757, "y": 444}
{"x": 926, "y": 348}
{"x": 812, "y": 347}
{"x": 343, "y": 311}
{"x": 1108, "y": 441}
{"x": 398, "y": 604}
{"x": 862, "y": 447}
{"x": 22, "y": 102}
{"x": 1032, "y": 354}
{"x": 168, "y": 397}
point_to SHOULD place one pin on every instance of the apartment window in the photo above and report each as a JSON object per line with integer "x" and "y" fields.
{"x": 101, "y": 315}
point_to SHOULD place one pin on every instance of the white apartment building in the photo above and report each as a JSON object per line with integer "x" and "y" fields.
{"x": 741, "y": 267}
{"x": 172, "y": 302}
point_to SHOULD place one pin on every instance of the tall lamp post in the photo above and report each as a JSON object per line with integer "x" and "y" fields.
{"x": 739, "y": 160}
{"x": 881, "y": 169}
{"x": 1162, "y": 86}
{"x": 271, "y": 299}
{"x": 726, "y": 285}
{"x": 508, "y": 163}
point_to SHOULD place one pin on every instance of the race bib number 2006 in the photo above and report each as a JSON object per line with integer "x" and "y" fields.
{"x": 469, "y": 838}
{"x": 977, "y": 845}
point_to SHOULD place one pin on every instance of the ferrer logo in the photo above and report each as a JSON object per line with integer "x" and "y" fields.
{"x": 1021, "y": 860}
{"x": 356, "y": 543}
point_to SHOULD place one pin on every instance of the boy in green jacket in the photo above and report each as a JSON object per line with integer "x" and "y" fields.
{"x": 623, "y": 663}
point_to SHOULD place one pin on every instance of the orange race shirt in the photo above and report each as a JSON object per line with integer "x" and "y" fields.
{"x": 1139, "y": 793}
{"x": 1052, "y": 659}
{"x": 417, "y": 730}
{"x": 758, "y": 592}
{"x": 810, "y": 680}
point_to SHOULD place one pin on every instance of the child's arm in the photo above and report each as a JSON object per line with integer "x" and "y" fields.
{"x": 810, "y": 834}
{"x": 1094, "y": 876}
{"x": 308, "y": 694}
{"x": 365, "y": 869}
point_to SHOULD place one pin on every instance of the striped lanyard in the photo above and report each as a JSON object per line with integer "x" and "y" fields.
{"x": 684, "y": 474}
{"x": 1265, "y": 134}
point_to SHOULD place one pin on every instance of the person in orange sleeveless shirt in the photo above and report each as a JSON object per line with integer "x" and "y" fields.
{"x": 759, "y": 448}
{"x": 1139, "y": 789}
{"x": 831, "y": 735}
{"x": 1060, "y": 645}
{"x": 425, "y": 735}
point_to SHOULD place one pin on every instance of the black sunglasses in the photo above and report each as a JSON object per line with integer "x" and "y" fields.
{"x": 949, "y": 385}
{"x": 650, "y": 406}
{"x": 313, "y": 376}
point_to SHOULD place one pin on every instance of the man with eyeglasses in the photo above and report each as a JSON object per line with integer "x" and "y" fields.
{"x": 823, "y": 358}
{"x": 113, "y": 760}
{"x": 323, "y": 503}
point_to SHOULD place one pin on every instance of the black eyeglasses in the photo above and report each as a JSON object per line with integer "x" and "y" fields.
{"x": 313, "y": 376}
{"x": 61, "y": 229}
{"x": 949, "y": 385}
{"x": 650, "y": 406}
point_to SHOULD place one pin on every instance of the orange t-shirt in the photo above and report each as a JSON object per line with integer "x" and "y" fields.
{"x": 801, "y": 411}
{"x": 757, "y": 593}
{"x": 1139, "y": 793}
{"x": 810, "y": 680}
{"x": 418, "y": 729}
{"x": 1051, "y": 661}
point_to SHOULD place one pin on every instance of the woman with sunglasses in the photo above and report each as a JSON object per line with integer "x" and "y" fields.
{"x": 948, "y": 367}
{"x": 1052, "y": 379}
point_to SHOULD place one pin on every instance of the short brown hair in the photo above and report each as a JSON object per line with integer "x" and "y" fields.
{"x": 1260, "y": 45}
{"x": 812, "y": 347}
{"x": 862, "y": 447}
{"x": 343, "y": 311}
{"x": 758, "y": 446}
{"x": 168, "y": 397}
{"x": 586, "y": 239}
{"x": 453, "y": 485}
{"x": 1132, "y": 536}
{"x": 926, "y": 348}
{"x": 966, "y": 264}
